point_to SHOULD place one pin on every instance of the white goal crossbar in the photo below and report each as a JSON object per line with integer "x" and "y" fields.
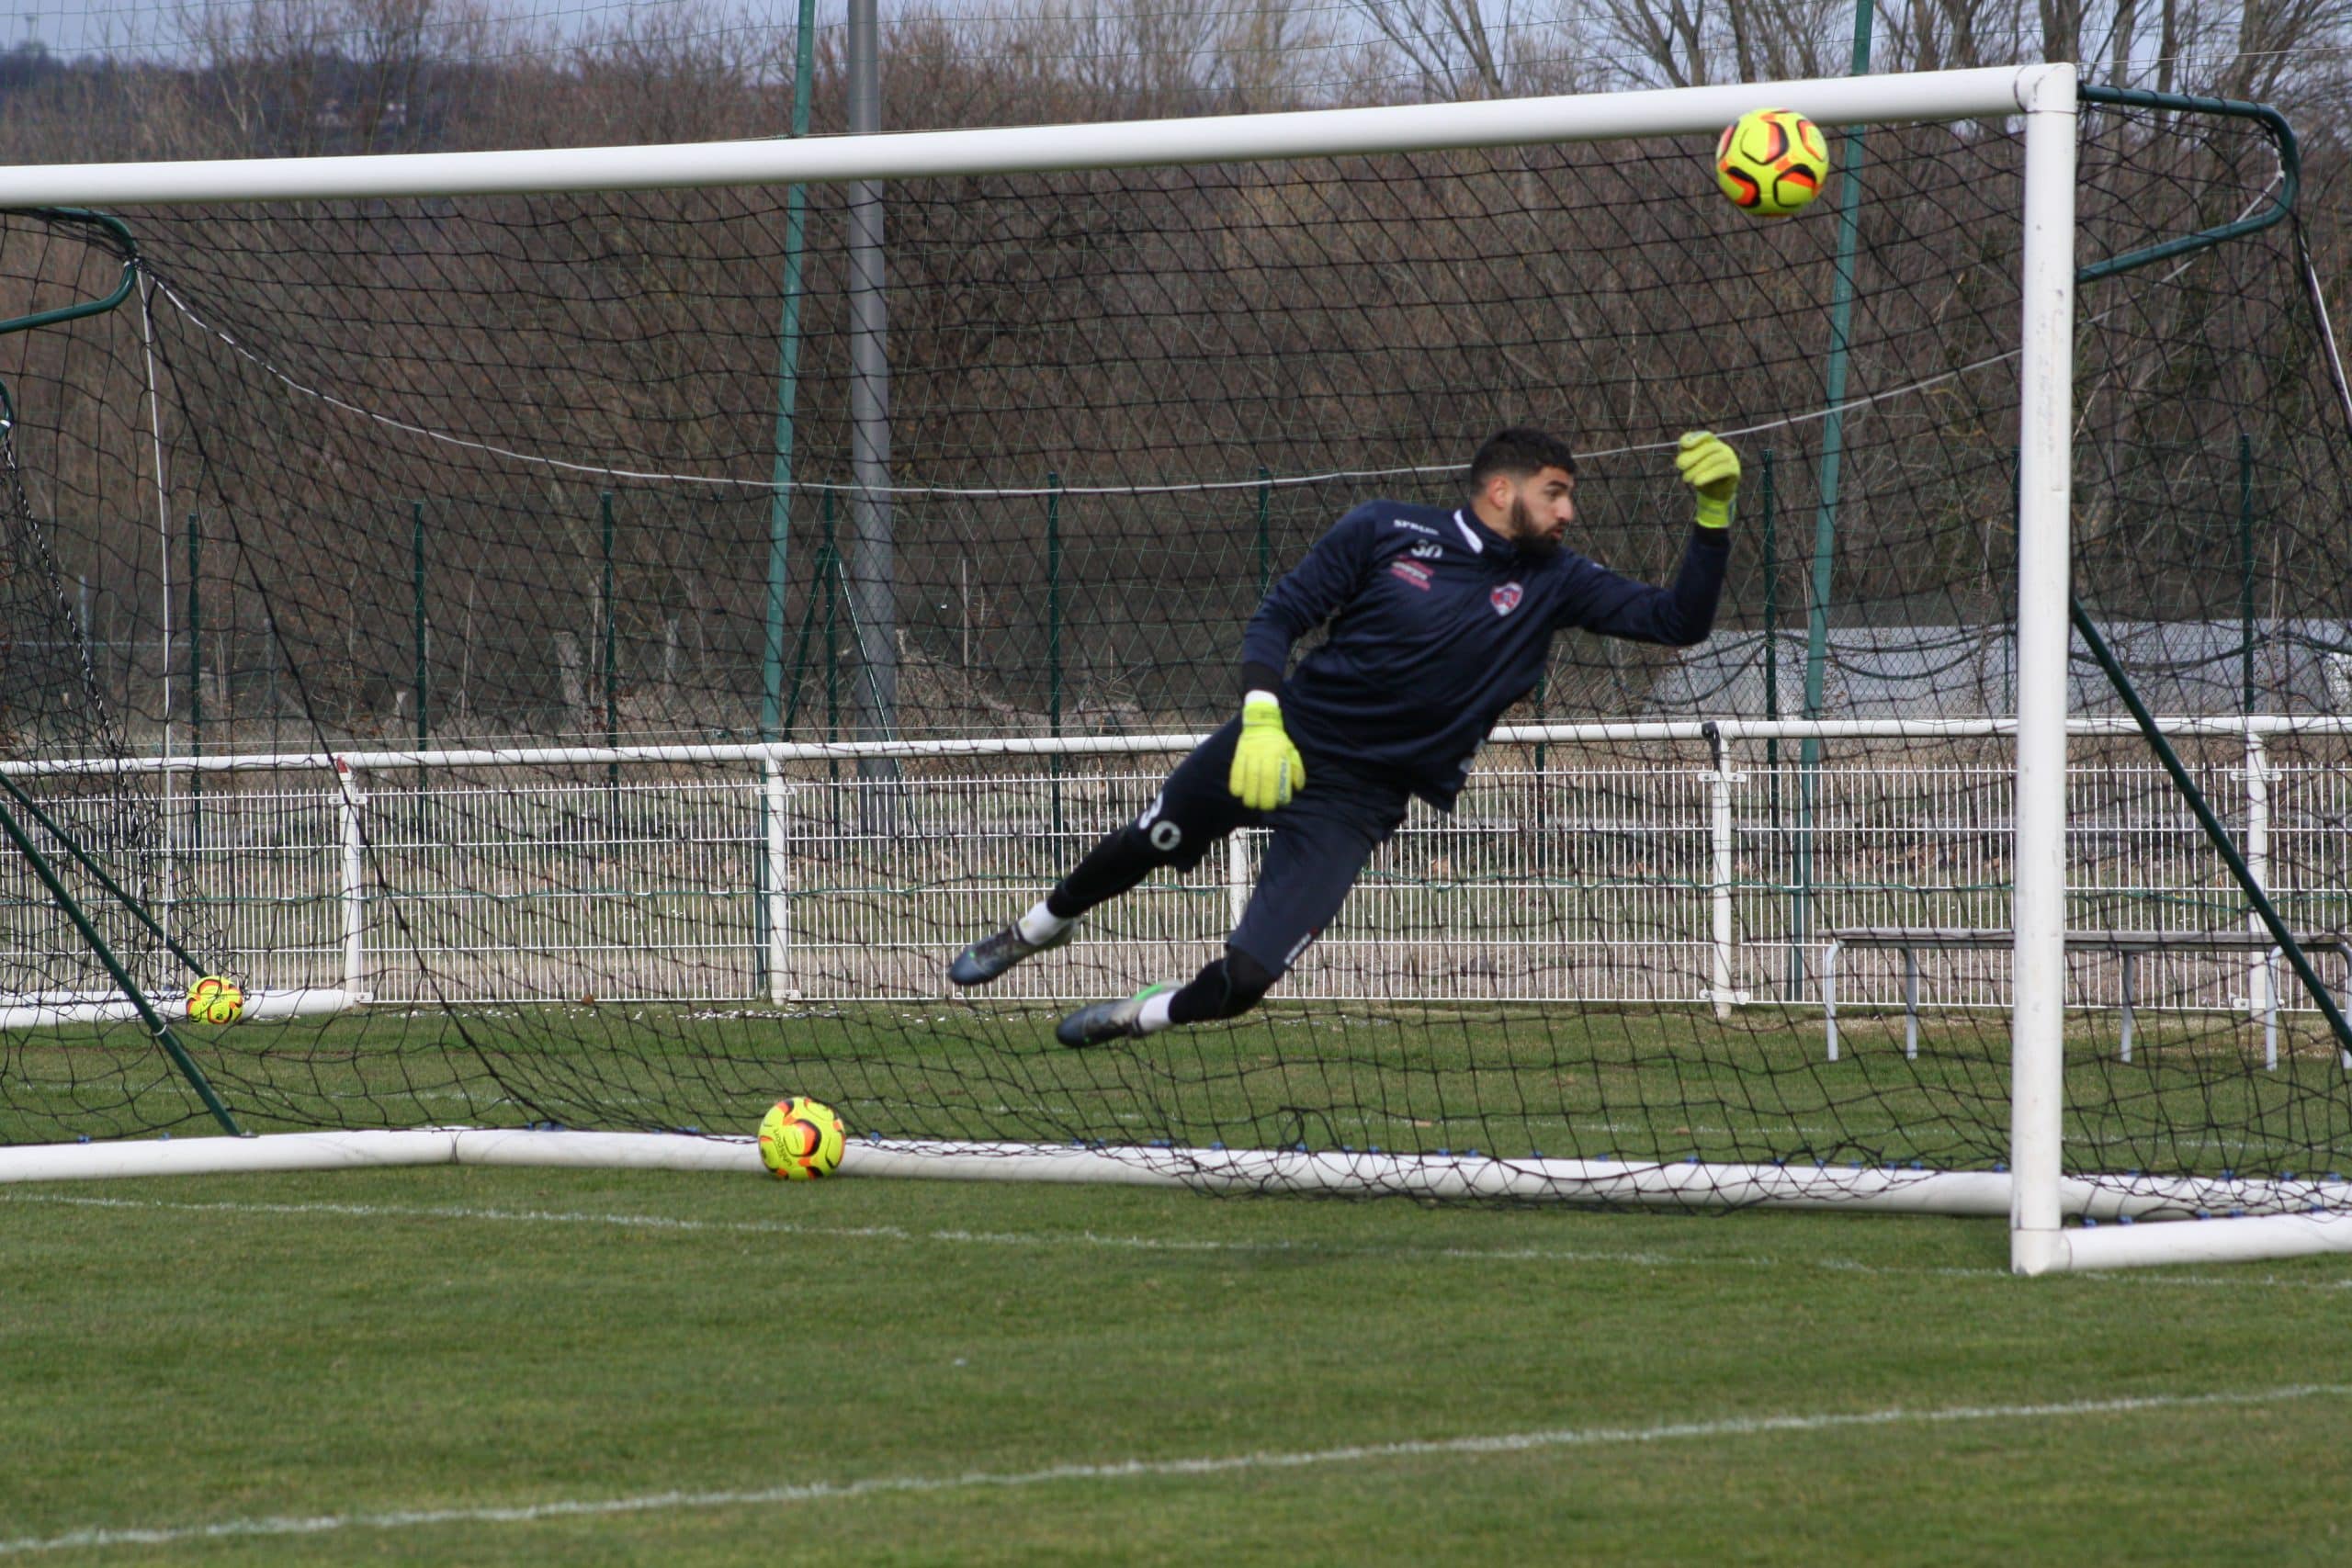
{"x": 2043, "y": 95}
{"x": 1997, "y": 92}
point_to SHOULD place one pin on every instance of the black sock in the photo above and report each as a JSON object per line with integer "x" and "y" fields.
{"x": 1228, "y": 987}
{"x": 1110, "y": 868}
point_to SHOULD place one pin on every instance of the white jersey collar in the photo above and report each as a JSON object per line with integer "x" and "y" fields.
{"x": 1469, "y": 536}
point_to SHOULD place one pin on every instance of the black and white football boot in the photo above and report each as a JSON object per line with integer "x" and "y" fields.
{"x": 990, "y": 956}
{"x": 1098, "y": 1022}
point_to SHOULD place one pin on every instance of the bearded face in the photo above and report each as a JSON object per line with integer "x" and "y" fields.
{"x": 1539, "y": 539}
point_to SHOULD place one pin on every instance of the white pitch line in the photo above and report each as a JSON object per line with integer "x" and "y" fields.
{"x": 2143, "y": 1279}
{"x": 1152, "y": 1470}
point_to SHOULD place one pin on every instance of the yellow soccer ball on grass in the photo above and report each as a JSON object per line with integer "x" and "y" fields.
{"x": 1771, "y": 162}
{"x": 800, "y": 1140}
{"x": 215, "y": 999}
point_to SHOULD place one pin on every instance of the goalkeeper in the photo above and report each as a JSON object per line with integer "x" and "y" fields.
{"x": 1439, "y": 620}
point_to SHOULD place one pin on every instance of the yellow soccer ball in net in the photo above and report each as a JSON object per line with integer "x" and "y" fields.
{"x": 800, "y": 1140}
{"x": 215, "y": 999}
{"x": 1771, "y": 162}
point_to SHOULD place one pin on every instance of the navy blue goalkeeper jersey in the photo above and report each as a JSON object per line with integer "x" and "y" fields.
{"x": 1438, "y": 624}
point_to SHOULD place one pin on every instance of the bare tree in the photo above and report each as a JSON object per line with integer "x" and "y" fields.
{"x": 300, "y": 77}
{"x": 1260, "y": 47}
{"x": 268, "y": 63}
{"x": 1689, "y": 44}
{"x": 1943, "y": 35}
{"x": 1448, "y": 43}
{"x": 395, "y": 47}
{"x": 672, "y": 74}
{"x": 2276, "y": 37}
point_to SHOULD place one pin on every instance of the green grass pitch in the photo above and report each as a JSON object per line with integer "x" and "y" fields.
{"x": 527, "y": 1366}
{"x": 485, "y": 1366}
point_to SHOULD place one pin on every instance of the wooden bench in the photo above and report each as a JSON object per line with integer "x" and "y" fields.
{"x": 1913, "y": 941}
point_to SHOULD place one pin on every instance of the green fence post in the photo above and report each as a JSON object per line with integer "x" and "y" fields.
{"x": 1054, "y": 600}
{"x": 787, "y": 393}
{"x": 424, "y": 691}
{"x": 2245, "y": 570}
{"x": 1054, "y": 633}
{"x": 1770, "y": 521}
{"x": 1833, "y": 449}
{"x": 612, "y": 696}
{"x": 416, "y": 583}
{"x": 1767, "y": 501}
{"x": 194, "y": 694}
{"x": 829, "y": 572}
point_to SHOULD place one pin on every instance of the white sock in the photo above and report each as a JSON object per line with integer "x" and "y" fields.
{"x": 1154, "y": 1016}
{"x": 1040, "y": 924}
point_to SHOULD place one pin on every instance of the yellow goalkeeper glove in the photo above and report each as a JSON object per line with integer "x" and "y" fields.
{"x": 1266, "y": 770}
{"x": 1711, "y": 468}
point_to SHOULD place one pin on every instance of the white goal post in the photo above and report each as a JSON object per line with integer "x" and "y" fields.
{"x": 2033, "y": 1193}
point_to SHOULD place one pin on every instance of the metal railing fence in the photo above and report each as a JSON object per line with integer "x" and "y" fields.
{"x": 1582, "y": 869}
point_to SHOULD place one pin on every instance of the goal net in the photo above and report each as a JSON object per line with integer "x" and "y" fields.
{"x": 594, "y": 657}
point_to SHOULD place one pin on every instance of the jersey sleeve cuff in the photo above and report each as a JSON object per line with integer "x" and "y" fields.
{"x": 1258, "y": 676}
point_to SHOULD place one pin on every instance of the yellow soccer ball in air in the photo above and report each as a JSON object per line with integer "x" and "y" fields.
{"x": 214, "y": 999}
{"x": 1771, "y": 162}
{"x": 800, "y": 1140}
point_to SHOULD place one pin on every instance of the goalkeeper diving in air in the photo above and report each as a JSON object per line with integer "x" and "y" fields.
{"x": 1441, "y": 619}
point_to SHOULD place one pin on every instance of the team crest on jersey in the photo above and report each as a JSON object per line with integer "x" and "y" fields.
{"x": 1506, "y": 598}
{"x": 1411, "y": 571}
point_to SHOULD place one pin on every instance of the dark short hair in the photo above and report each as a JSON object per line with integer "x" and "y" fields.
{"x": 1518, "y": 452}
